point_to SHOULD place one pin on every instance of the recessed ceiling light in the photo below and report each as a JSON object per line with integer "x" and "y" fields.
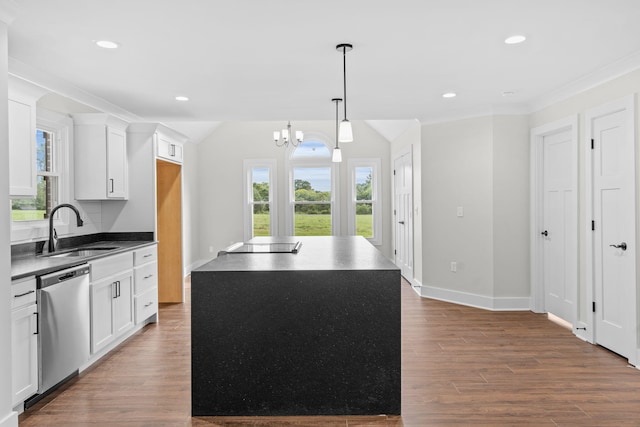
{"x": 107, "y": 44}
{"x": 181, "y": 98}
{"x": 449, "y": 95}
{"x": 515, "y": 39}
{"x": 508, "y": 93}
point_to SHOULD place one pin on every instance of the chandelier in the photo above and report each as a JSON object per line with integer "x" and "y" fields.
{"x": 286, "y": 136}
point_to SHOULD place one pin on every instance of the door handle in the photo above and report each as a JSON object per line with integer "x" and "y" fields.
{"x": 545, "y": 233}
{"x": 401, "y": 222}
{"x": 622, "y": 246}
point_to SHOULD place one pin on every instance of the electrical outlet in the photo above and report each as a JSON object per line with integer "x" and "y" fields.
{"x": 454, "y": 266}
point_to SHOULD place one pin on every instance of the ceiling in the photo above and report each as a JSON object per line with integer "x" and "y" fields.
{"x": 276, "y": 59}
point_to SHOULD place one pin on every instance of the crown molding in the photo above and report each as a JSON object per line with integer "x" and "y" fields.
{"x": 53, "y": 84}
{"x": 596, "y": 78}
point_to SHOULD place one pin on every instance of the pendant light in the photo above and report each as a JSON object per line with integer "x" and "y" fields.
{"x": 345, "y": 131}
{"x": 337, "y": 154}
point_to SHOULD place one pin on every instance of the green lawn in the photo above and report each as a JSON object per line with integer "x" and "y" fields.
{"x": 312, "y": 225}
{"x": 27, "y": 215}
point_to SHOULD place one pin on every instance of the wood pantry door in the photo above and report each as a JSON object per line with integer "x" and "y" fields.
{"x": 169, "y": 235}
{"x": 614, "y": 231}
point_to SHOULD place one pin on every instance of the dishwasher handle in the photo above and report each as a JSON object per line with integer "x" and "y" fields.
{"x": 67, "y": 276}
{"x": 63, "y": 275}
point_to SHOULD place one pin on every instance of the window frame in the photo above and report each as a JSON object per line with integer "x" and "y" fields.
{"x": 376, "y": 205}
{"x": 62, "y": 127}
{"x": 248, "y": 166}
{"x": 312, "y": 162}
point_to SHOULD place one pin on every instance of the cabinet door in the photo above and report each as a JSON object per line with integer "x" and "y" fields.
{"x": 169, "y": 149}
{"x": 117, "y": 176}
{"x": 123, "y": 304}
{"x": 102, "y": 295}
{"x": 24, "y": 350}
{"x": 22, "y": 147}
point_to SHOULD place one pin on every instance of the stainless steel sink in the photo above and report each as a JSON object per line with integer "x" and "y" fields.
{"x": 82, "y": 252}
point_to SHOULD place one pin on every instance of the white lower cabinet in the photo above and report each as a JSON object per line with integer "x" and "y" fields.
{"x": 111, "y": 300}
{"x": 24, "y": 340}
{"x": 146, "y": 283}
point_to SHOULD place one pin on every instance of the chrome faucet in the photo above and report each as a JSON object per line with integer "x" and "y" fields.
{"x": 52, "y": 243}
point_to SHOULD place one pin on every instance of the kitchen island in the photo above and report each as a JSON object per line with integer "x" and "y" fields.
{"x": 315, "y": 332}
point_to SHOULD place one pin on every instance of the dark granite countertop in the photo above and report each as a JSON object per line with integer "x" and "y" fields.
{"x": 25, "y": 260}
{"x": 316, "y": 253}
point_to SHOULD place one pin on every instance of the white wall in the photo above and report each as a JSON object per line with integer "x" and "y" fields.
{"x": 457, "y": 171}
{"x": 190, "y": 206}
{"x": 511, "y": 206}
{"x": 220, "y": 168}
{"x": 411, "y": 139}
{"x": 481, "y": 166}
{"x": 8, "y": 418}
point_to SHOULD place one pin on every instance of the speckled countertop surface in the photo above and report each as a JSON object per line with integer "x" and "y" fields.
{"x": 31, "y": 264}
{"x": 316, "y": 253}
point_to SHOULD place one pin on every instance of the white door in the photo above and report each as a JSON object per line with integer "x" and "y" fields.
{"x": 614, "y": 243}
{"x": 403, "y": 214}
{"x": 559, "y": 225}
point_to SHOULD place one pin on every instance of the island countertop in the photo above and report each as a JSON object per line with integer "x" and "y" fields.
{"x": 316, "y": 253}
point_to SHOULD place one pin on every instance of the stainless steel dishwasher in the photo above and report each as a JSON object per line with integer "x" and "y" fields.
{"x": 64, "y": 324}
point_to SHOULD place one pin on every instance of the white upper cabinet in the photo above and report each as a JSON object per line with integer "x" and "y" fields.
{"x": 100, "y": 157}
{"x": 22, "y": 138}
{"x": 168, "y": 148}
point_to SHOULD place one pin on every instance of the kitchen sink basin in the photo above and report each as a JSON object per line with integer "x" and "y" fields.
{"x": 82, "y": 252}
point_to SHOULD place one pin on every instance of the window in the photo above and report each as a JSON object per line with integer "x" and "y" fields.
{"x": 364, "y": 197}
{"x": 312, "y": 201}
{"x": 260, "y": 206}
{"x": 312, "y": 190}
{"x": 30, "y": 216}
{"x": 48, "y": 181}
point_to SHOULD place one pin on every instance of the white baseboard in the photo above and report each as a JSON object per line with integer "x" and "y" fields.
{"x": 415, "y": 284}
{"x": 475, "y": 300}
{"x": 10, "y": 420}
{"x": 195, "y": 265}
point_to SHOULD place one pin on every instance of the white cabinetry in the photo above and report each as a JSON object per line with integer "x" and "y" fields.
{"x": 22, "y": 137}
{"x": 100, "y": 157}
{"x": 24, "y": 340}
{"x": 145, "y": 274}
{"x": 111, "y": 299}
{"x": 168, "y": 148}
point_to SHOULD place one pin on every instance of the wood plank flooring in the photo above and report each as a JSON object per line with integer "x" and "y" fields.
{"x": 460, "y": 366}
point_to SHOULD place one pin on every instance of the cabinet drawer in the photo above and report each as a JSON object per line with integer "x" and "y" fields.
{"x": 108, "y": 266}
{"x": 146, "y": 254}
{"x": 146, "y": 304}
{"x": 23, "y": 292}
{"x": 145, "y": 277}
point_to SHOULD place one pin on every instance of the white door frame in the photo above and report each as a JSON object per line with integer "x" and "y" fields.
{"x": 626, "y": 104}
{"x": 537, "y": 194}
{"x": 396, "y": 156}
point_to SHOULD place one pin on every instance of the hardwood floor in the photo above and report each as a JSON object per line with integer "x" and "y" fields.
{"x": 461, "y": 366}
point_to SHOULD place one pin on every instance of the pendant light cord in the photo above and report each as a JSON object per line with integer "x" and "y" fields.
{"x": 337, "y": 119}
{"x": 344, "y": 79}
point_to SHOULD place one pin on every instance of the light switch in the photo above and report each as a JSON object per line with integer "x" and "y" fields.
{"x": 460, "y": 211}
